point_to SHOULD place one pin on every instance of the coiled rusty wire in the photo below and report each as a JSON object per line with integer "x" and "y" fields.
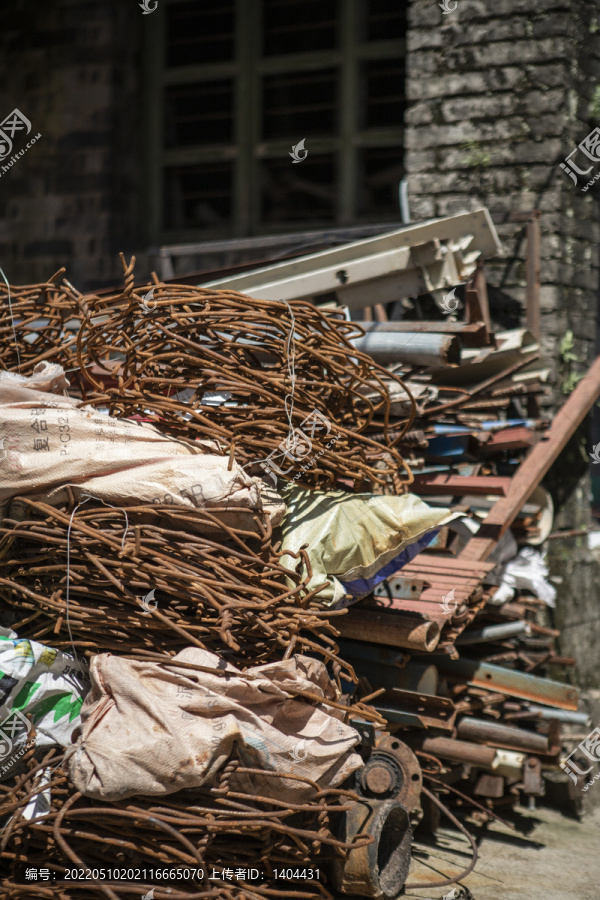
{"x": 279, "y": 361}
{"x": 78, "y": 578}
{"x": 32, "y": 325}
{"x": 212, "y": 829}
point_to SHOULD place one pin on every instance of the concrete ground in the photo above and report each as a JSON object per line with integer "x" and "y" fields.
{"x": 551, "y": 857}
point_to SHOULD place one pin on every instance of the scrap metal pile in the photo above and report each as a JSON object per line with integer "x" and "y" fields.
{"x": 219, "y": 342}
{"x": 205, "y": 434}
{"x": 146, "y": 580}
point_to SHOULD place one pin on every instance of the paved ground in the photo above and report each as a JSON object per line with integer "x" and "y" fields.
{"x": 551, "y": 857}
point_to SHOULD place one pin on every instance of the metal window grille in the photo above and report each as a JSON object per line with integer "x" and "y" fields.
{"x": 232, "y": 85}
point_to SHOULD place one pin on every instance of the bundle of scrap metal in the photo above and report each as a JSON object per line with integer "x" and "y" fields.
{"x": 33, "y": 325}
{"x": 143, "y": 579}
{"x": 269, "y": 380}
{"x": 146, "y": 581}
{"x": 73, "y": 577}
{"x": 476, "y": 700}
{"x": 460, "y": 658}
{"x": 197, "y": 832}
{"x": 487, "y": 469}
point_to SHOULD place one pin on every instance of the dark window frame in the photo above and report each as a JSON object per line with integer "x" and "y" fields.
{"x": 248, "y": 149}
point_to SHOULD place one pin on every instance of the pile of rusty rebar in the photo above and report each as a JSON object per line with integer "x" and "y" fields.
{"x": 147, "y": 581}
{"x": 144, "y": 579}
{"x": 216, "y": 830}
{"x": 78, "y": 578}
{"x": 273, "y": 382}
{"x": 32, "y": 325}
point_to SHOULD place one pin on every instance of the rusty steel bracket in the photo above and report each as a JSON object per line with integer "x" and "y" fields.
{"x": 412, "y": 708}
{"x": 533, "y": 782}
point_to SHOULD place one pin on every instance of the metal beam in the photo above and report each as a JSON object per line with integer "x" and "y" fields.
{"x": 508, "y": 681}
{"x": 428, "y": 256}
{"x": 533, "y": 273}
{"x": 532, "y": 470}
{"x": 459, "y": 485}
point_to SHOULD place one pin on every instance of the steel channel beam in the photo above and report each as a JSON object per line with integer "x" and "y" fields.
{"x": 414, "y": 708}
{"x": 509, "y": 681}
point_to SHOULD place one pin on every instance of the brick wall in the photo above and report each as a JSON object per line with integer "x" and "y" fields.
{"x": 500, "y": 93}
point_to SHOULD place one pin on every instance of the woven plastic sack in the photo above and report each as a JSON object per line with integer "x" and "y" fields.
{"x": 53, "y": 451}
{"x": 356, "y": 540}
{"x": 39, "y": 686}
{"x": 154, "y": 729}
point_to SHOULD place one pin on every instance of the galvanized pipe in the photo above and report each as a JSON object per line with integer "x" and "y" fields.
{"x": 563, "y": 715}
{"x": 494, "y": 633}
{"x": 410, "y": 346}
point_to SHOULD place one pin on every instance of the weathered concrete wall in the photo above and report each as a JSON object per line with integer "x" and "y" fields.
{"x": 71, "y": 67}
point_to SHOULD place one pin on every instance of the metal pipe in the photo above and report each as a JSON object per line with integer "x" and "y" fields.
{"x": 449, "y": 748}
{"x": 403, "y": 199}
{"x": 494, "y": 633}
{"x": 390, "y": 629}
{"x": 502, "y": 735}
{"x": 378, "y": 870}
{"x": 418, "y": 348}
{"x": 563, "y": 715}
